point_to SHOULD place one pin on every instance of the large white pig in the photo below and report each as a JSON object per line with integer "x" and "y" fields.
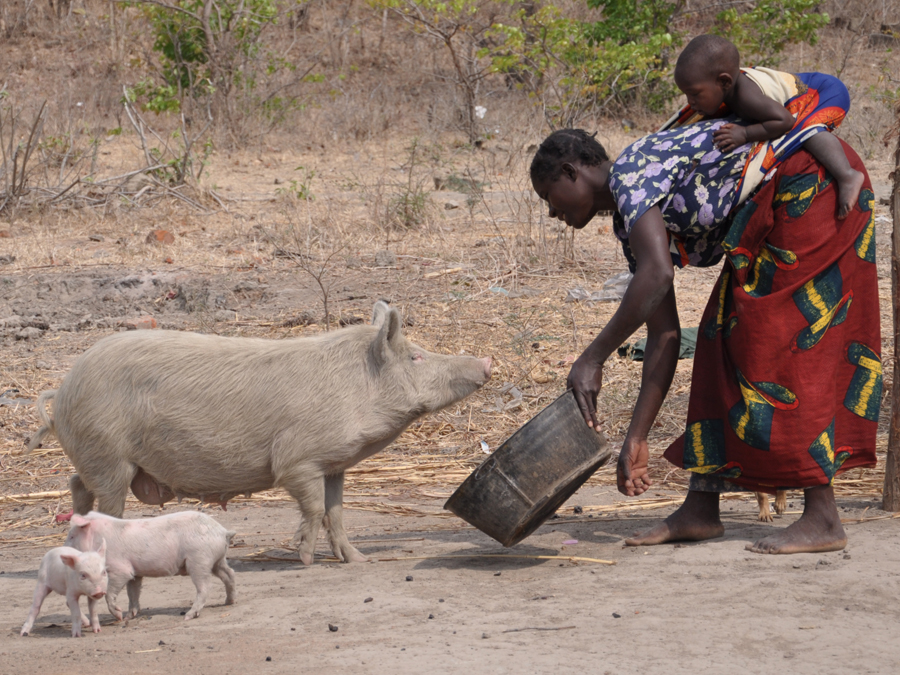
{"x": 182, "y": 414}
{"x": 185, "y": 543}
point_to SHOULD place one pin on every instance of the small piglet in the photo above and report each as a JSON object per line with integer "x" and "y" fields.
{"x": 71, "y": 573}
{"x": 186, "y": 543}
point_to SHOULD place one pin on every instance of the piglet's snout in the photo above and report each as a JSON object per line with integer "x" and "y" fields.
{"x": 98, "y": 594}
{"x": 486, "y": 361}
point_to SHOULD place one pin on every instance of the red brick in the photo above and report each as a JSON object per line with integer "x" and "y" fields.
{"x": 141, "y": 323}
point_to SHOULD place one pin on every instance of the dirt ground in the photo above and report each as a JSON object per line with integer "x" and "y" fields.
{"x": 486, "y": 276}
{"x": 441, "y": 597}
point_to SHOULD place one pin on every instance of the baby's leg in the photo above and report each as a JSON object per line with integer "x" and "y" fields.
{"x": 828, "y": 150}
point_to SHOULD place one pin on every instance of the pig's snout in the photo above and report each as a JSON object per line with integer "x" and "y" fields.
{"x": 486, "y": 363}
{"x": 98, "y": 595}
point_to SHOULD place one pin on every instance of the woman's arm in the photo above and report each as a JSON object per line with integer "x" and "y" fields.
{"x": 660, "y": 360}
{"x": 651, "y": 285}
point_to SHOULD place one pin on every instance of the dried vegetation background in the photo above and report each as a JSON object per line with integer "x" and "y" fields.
{"x": 365, "y": 187}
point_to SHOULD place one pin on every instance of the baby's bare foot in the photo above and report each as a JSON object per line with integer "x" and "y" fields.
{"x": 848, "y": 192}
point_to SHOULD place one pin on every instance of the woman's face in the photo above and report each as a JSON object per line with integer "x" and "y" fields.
{"x": 570, "y": 197}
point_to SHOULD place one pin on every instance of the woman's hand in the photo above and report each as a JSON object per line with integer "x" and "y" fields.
{"x": 632, "y": 471}
{"x": 585, "y": 380}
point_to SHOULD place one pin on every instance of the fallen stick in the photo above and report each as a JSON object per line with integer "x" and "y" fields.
{"x": 519, "y": 630}
{"x": 440, "y": 273}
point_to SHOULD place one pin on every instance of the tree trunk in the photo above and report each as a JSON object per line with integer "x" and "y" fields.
{"x": 891, "y": 498}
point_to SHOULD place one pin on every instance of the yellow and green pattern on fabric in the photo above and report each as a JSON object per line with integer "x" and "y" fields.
{"x": 822, "y": 450}
{"x": 751, "y": 417}
{"x": 823, "y": 304}
{"x": 722, "y": 319}
{"x": 770, "y": 258}
{"x": 730, "y": 244}
{"x": 864, "y": 394}
{"x": 797, "y": 192}
{"x": 865, "y": 242}
{"x": 704, "y": 449}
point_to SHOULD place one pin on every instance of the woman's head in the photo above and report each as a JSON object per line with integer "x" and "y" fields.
{"x": 562, "y": 146}
{"x": 566, "y": 173}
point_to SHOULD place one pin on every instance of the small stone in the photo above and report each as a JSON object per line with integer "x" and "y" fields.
{"x": 332, "y": 628}
{"x": 7, "y": 259}
{"x": 385, "y": 259}
{"x": 293, "y": 629}
{"x": 169, "y": 261}
{"x": 450, "y": 206}
{"x": 440, "y": 599}
{"x": 226, "y": 315}
{"x": 160, "y": 237}
{"x": 796, "y": 566}
{"x": 96, "y": 237}
{"x": 409, "y": 578}
{"x": 30, "y": 333}
{"x": 431, "y": 616}
{"x": 268, "y": 658}
{"x": 846, "y": 556}
{"x": 616, "y": 615}
{"x": 497, "y": 574}
{"x": 577, "y": 510}
{"x": 161, "y": 643}
{"x": 368, "y": 599}
{"x": 484, "y": 636}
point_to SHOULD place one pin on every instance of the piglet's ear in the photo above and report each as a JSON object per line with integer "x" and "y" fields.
{"x": 102, "y": 549}
{"x": 69, "y": 560}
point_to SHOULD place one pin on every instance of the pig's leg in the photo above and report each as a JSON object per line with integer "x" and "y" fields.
{"x": 200, "y": 576}
{"x": 115, "y": 582}
{"x": 82, "y": 498}
{"x": 334, "y": 520}
{"x": 41, "y": 591}
{"x": 72, "y": 602}
{"x": 307, "y": 486}
{"x": 134, "y": 596}
{"x": 226, "y": 574}
{"x": 92, "y": 610}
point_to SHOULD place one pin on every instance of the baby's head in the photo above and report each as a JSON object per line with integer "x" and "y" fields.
{"x": 706, "y": 70}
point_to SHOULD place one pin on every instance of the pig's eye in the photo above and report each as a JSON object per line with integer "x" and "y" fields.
{"x": 417, "y": 357}
{"x": 84, "y": 576}
{"x": 104, "y": 572}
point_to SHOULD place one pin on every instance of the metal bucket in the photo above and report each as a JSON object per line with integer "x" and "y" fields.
{"x": 532, "y": 474}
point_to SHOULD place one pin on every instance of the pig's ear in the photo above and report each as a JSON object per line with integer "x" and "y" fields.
{"x": 69, "y": 559}
{"x": 79, "y": 521}
{"x": 380, "y": 312}
{"x": 389, "y": 335}
{"x": 102, "y": 549}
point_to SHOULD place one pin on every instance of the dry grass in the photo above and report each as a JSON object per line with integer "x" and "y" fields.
{"x": 487, "y": 276}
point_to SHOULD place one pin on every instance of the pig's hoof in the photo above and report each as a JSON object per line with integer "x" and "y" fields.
{"x": 306, "y": 558}
{"x": 24, "y": 633}
{"x": 353, "y": 556}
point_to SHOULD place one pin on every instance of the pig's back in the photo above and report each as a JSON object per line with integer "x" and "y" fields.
{"x": 202, "y": 413}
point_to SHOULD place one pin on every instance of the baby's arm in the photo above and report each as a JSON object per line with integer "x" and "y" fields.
{"x": 770, "y": 118}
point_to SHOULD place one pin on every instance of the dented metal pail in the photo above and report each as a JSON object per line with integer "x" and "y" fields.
{"x": 532, "y": 474}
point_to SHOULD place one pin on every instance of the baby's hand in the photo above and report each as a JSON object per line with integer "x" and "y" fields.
{"x": 729, "y": 136}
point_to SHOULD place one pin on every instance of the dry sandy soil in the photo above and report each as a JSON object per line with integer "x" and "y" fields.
{"x": 485, "y": 276}
{"x": 440, "y": 597}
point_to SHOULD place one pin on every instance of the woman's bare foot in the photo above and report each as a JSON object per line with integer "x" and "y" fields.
{"x": 818, "y": 530}
{"x": 848, "y": 192}
{"x": 695, "y": 520}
